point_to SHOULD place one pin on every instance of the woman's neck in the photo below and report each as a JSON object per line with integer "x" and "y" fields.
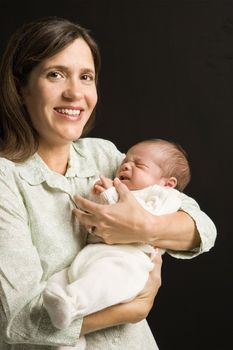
{"x": 56, "y": 158}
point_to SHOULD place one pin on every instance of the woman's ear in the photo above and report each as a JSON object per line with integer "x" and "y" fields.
{"x": 171, "y": 182}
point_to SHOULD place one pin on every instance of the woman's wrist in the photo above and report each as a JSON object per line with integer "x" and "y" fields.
{"x": 176, "y": 231}
{"x": 131, "y": 312}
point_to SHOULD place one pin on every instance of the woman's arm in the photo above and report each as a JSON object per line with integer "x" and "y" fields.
{"x": 127, "y": 222}
{"x": 23, "y": 319}
{"x": 131, "y": 312}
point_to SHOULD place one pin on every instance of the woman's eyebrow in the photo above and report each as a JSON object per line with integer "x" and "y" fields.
{"x": 66, "y": 68}
{"x": 87, "y": 70}
{"x": 54, "y": 67}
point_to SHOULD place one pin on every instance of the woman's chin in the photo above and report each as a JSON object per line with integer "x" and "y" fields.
{"x": 72, "y": 136}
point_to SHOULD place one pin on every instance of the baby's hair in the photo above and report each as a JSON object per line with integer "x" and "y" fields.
{"x": 174, "y": 161}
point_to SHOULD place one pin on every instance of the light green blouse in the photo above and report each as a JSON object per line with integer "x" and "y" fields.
{"x": 39, "y": 237}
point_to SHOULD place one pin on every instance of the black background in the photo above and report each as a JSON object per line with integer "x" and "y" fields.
{"x": 167, "y": 71}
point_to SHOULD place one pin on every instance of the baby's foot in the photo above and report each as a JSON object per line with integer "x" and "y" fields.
{"x": 58, "y": 306}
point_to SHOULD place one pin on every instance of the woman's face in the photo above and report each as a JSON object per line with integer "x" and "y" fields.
{"x": 61, "y": 94}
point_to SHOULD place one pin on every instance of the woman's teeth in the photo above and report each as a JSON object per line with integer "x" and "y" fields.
{"x": 68, "y": 111}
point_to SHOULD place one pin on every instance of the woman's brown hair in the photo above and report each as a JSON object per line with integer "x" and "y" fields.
{"x": 28, "y": 46}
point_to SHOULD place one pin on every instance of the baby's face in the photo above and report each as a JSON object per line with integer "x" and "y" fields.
{"x": 140, "y": 169}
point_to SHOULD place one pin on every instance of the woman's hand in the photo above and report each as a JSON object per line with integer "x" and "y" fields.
{"x": 145, "y": 299}
{"x": 132, "y": 312}
{"x": 128, "y": 222}
{"x": 123, "y": 222}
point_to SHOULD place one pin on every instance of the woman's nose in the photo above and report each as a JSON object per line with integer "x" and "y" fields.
{"x": 73, "y": 91}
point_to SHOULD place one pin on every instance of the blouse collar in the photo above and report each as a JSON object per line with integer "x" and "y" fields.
{"x": 35, "y": 170}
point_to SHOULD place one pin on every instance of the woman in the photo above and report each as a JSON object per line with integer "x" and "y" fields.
{"x": 48, "y": 96}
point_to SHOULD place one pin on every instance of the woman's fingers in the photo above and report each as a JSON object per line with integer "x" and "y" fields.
{"x": 154, "y": 281}
{"x": 145, "y": 299}
{"x": 84, "y": 217}
{"x": 86, "y": 205}
{"x": 156, "y": 272}
{"x": 90, "y": 214}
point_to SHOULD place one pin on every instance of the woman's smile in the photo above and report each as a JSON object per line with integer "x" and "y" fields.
{"x": 69, "y": 113}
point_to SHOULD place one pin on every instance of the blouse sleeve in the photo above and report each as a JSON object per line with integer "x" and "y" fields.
{"x": 22, "y": 316}
{"x": 204, "y": 225}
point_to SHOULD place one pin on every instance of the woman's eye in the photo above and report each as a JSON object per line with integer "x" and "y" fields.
{"x": 87, "y": 77}
{"x": 55, "y": 75}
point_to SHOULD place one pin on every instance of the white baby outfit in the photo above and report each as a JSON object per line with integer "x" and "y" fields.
{"x": 103, "y": 275}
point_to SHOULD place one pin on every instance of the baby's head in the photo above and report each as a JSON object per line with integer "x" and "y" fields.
{"x": 153, "y": 162}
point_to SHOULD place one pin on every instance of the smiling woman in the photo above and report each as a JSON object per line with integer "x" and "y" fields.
{"x": 48, "y": 95}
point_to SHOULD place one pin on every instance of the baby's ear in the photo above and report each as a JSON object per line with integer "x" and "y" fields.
{"x": 171, "y": 182}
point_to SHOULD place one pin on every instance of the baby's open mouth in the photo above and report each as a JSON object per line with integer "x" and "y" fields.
{"x": 123, "y": 178}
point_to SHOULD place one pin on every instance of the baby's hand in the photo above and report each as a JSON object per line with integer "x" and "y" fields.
{"x": 102, "y": 184}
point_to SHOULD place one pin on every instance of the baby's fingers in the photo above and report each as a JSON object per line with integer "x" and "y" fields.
{"x": 156, "y": 272}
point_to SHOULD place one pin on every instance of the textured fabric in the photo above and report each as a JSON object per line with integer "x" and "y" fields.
{"x": 39, "y": 237}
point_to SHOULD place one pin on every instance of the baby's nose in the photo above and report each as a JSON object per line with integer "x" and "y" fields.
{"x": 126, "y": 166}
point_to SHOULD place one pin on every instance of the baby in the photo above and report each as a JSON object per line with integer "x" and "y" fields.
{"x": 103, "y": 275}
